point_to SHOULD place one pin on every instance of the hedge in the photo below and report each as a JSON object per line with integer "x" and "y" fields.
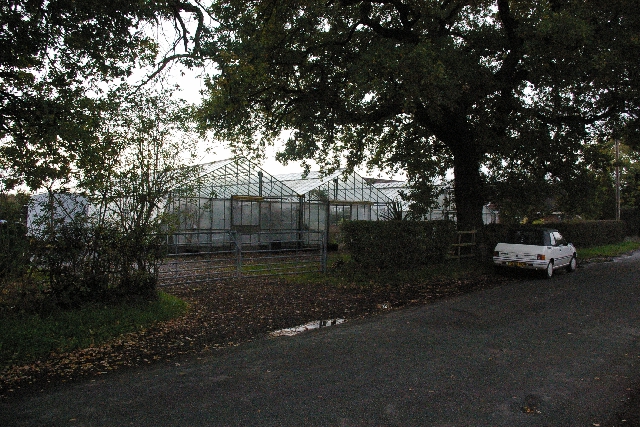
{"x": 580, "y": 233}
{"x": 398, "y": 244}
{"x": 632, "y": 217}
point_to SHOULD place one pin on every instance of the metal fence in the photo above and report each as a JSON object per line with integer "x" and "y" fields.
{"x": 203, "y": 256}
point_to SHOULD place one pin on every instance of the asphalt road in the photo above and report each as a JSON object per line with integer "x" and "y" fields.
{"x": 563, "y": 352}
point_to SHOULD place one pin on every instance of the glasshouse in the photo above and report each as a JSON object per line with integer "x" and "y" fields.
{"x": 235, "y": 219}
{"x": 266, "y": 210}
{"x": 444, "y": 207}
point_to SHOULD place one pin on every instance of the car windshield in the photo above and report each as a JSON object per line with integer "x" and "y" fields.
{"x": 527, "y": 237}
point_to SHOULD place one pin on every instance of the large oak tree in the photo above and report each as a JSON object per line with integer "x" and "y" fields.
{"x": 425, "y": 85}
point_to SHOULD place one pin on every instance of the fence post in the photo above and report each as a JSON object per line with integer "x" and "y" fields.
{"x": 238, "y": 243}
{"x": 324, "y": 253}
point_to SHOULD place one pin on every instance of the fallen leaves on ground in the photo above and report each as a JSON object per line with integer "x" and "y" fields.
{"x": 223, "y": 314}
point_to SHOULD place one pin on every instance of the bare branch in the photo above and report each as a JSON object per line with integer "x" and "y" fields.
{"x": 162, "y": 65}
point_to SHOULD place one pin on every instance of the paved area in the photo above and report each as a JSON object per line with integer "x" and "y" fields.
{"x": 563, "y": 352}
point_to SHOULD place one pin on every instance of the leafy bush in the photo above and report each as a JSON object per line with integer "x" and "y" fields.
{"x": 80, "y": 262}
{"x": 14, "y": 250}
{"x": 592, "y": 233}
{"x": 397, "y": 244}
{"x": 14, "y": 245}
{"x": 631, "y": 216}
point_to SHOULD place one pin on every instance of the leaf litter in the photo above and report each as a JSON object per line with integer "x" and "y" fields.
{"x": 228, "y": 313}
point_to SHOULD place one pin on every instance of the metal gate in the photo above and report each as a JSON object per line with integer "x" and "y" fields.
{"x": 203, "y": 256}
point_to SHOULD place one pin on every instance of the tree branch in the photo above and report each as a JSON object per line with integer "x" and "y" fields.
{"x": 575, "y": 119}
{"x": 401, "y": 34}
{"x": 181, "y": 6}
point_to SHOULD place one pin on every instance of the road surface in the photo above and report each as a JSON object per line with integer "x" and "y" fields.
{"x": 562, "y": 352}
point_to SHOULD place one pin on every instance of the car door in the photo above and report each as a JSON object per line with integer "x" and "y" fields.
{"x": 561, "y": 252}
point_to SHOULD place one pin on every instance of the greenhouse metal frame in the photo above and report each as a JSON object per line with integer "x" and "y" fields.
{"x": 268, "y": 211}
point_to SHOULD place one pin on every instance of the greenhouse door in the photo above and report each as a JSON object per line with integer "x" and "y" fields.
{"x": 245, "y": 214}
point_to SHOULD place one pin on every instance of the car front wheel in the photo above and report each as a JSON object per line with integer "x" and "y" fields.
{"x": 573, "y": 264}
{"x": 549, "y": 270}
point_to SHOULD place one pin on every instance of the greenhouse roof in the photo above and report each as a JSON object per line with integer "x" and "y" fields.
{"x": 335, "y": 186}
{"x": 390, "y": 184}
{"x": 239, "y": 177}
{"x": 303, "y": 184}
{"x": 391, "y": 189}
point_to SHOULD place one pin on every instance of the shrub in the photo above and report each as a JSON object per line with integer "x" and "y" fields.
{"x": 80, "y": 262}
{"x": 592, "y": 233}
{"x": 14, "y": 245}
{"x": 631, "y": 216}
{"x": 14, "y": 250}
{"x": 397, "y": 244}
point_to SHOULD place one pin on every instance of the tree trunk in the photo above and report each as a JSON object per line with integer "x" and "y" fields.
{"x": 468, "y": 189}
{"x": 457, "y": 134}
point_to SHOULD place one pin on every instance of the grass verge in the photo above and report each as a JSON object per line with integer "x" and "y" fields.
{"x": 608, "y": 251}
{"x": 25, "y": 338}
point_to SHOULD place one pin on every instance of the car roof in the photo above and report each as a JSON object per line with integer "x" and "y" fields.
{"x": 536, "y": 229}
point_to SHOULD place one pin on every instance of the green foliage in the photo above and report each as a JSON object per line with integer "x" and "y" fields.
{"x": 396, "y": 244}
{"x": 57, "y": 58}
{"x": 426, "y": 86}
{"x": 592, "y": 233}
{"x": 629, "y": 163}
{"x": 155, "y": 144}
{"x": 27, "y": 337}
{"x": 393, "y": 211}
{"x": 14, "y": 245}
{"x": 46, "y": 115}
{"x": 101, "y": 245}
{"x": 80, "y": 262}
{"x": 631, "y": 216}
{"x": 534, "y": 194}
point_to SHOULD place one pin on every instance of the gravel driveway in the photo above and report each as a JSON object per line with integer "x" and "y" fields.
{"x": 562, "y": 352}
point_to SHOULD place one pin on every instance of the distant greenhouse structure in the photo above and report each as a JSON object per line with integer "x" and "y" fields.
{"x": 444, "y": 207}
{"x": 270, "y": 211}
{"x": 331, "y": 199}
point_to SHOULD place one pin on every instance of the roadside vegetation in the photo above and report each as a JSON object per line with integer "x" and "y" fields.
{"x": 608, "y": 251}
{"x": 27, "y": 337}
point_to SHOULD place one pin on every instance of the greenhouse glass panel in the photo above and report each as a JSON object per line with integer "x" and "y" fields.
{"x": 235, "y": 195}
{"x": 348, "y": 197}
{"x": 230, "y": 195}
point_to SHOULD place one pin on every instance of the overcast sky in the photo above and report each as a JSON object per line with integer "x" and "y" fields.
{"x": 191, "y": 84}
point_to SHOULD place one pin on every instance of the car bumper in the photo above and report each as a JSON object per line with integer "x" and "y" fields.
{"x": 520, "y": 263}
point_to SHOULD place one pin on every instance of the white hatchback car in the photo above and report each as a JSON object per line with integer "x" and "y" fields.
{"x": 538, "y": 249}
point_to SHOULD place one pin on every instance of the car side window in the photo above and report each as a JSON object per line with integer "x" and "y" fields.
{"x": 552, "y": 239}
{"x": 559, "y": 239}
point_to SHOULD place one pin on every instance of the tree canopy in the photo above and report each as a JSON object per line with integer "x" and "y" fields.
{"x": 58, "y": 61}
{"x": 500, "y": 91}
{"x": 428, "y": 85}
